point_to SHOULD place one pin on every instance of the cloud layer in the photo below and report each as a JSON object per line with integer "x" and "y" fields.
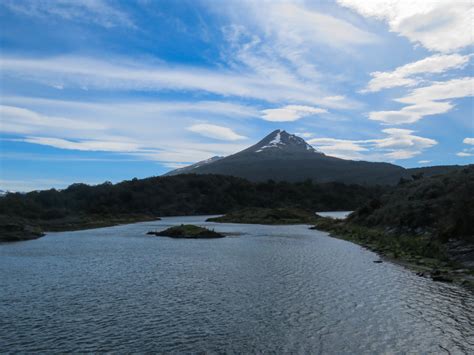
{"x": 398, "y": 144}
{"x": 216, "y": 132}
{"x": 409, "y": 74}
{"x": 290, "y": 113}
{"x": 429, "y": 100}
{"x": 441, "y": 25}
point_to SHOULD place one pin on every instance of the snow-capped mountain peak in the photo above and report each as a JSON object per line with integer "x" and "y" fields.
{"x": 282, "y": 141}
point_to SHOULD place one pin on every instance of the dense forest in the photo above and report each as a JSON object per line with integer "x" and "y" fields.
{"x": 442, "y": 205}
{"x": 81, "y": 205}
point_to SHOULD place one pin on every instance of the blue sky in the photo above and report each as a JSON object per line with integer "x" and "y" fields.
{"x": 96, "y": 90}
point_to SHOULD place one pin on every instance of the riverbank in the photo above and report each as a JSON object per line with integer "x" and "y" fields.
{"x": 14, "y": 229}
{"x": 421, "y": 253}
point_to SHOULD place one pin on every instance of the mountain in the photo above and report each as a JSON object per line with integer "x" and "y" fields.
{"x": 189, "y": 169}
{"x": 281, "y": 156}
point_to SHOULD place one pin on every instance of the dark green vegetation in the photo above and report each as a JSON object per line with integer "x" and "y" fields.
{"x": 83, "y": 206}
{"x": 16, "y": 229}
{"x": 188, "y": 231}
{"x": 268, "y": 216}
{"x": 428, "y": 222}
{"x": 442, "y": 205}
{"x": 286, "y": 157}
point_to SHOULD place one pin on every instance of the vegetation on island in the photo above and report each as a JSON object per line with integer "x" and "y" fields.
{"x": 426, "y": 222}
{"x": 187, "y": 231}
{"x": 268, "y": 216}
{"x": 83, "y": 206}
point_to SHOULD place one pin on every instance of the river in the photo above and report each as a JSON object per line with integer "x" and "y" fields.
{"x": 263, "y": 288}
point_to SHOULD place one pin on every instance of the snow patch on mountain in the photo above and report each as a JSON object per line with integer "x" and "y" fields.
{"x": 273, "y": 143}
{"x": 282, "y": 139}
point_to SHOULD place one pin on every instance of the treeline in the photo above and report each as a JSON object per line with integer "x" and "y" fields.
{"x": 442, "y": 205}
{"x": 182, "y": 195}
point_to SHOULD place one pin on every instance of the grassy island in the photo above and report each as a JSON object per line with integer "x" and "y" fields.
{"x": 276, "y": 216}
{"x": 187, "y": 231}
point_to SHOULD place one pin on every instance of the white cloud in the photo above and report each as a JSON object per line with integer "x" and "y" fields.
{"x": 78, "y": 72}
{"x": 399, "y": 144}
{"x": 296, "y": 23}
{"x": 146, "y": 130}
{"x": 406, "y": 74}
{"x": 174, "y": 165}
{"x": 290, "y": 113}
{"x": 341, "y": 148}
{"x": 428, "y": 100}
{"x": 402, "y": 144}
{"x": 99, "y": 12}
{"x": 216, "y": 132}
{"x": 304, "y": 134}
{"x": 21, "y": 120}
{"x": 441, "y": 25}
{"x": 84, "y": 145}
{"x": 424, "y": 161}
{"x": 467, "y": 152}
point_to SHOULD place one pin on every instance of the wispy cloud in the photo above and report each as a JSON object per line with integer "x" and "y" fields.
{"x": 216, "y": 132}
{"x": 80, "y": 72}
{"x": 398, "y": 144}
{"x": 442, "y": 25}
{"x": 408, "y": 74}
{"x": 84, "y": 145}
{"x": 21, "y": 120}
{"x": 467, "y": 152}
{"x": 100, "y": 12}
{"x": 147, "y": 130}
{"x": 429, "y": 100}
{"x": 290, "y": 113}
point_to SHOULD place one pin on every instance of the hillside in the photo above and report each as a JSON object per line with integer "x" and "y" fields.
{"x": 442, "y": 205}
{"x": 281, "y": 156}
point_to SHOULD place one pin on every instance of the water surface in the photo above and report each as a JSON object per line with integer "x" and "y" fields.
{"x": 269, "y": 288}
{"x": 335, "y": 214}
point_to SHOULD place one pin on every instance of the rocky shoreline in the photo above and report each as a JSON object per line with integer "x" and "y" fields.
{"x": 450, "y": 262}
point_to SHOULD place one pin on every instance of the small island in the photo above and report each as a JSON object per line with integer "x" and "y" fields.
{"x": 187, "y": 231}
{"x": 274, "y": 216}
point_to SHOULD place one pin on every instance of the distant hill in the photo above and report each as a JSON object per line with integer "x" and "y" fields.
{"x": 281, "y": 156}
{"x": 83, "y": 206}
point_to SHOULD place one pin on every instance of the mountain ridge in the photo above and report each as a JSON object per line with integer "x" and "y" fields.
{"x": 282, "y": 156}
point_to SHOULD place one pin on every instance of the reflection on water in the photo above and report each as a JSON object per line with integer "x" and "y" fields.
{"x": 272, "y": 288}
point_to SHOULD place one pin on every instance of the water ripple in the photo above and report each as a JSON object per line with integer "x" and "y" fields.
{"x": 269, "y": 289}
